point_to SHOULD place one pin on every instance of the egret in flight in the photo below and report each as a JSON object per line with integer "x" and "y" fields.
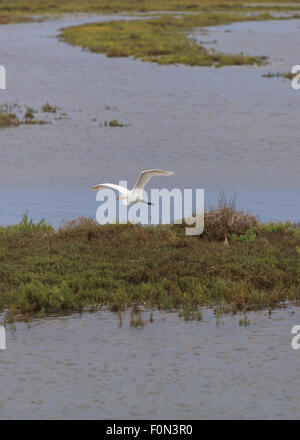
{"x": 136, "y": 194}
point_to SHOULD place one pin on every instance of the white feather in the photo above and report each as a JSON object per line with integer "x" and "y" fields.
{"x": 136, "y": 194}
{"x": 146, "y": 175}
{"x": 119, "y": 188}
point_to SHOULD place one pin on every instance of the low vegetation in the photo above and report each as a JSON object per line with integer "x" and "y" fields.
{"x": 47, "y": 108}
{"x": 7, "y": 18}
{"x": 17, "y": 11}
{"x": 112, "y": 123}
{"x": 83, "y": 265}
{"x": 8, "y": 120}
{"x": 163, "y": 40}
{"x": 16, "y": 8}
{"x": 286, "y": 75}
{"x": 13, "y": 115}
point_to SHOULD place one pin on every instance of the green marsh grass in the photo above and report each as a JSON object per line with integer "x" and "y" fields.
{"x": 85, "y": 266}
{"x": 286, "y": 75}
{"x": 47, "y": 108}
{"x": 13, "y": 115}
{"x": 16, "y": 11}
{"x": 162, "y": 40}
{"x": 8, "y": 120}
{"x": 244, "y": 321}
{"x": 19, "y": 7}
{"x": 113, "y": 123}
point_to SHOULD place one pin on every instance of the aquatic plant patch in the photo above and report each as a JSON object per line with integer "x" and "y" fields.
{"x": 287, "y": 75}
{"x": 8, "y": 120}
{"x": 17, "y": 7}
{"x": 112, "y": 123}
{"x": 13, "y": 115}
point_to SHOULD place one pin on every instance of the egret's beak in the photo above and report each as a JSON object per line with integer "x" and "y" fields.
{"x": 121, "y": 197}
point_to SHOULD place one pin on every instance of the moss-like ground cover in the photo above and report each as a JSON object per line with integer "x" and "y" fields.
{"x": 236, "y": 265}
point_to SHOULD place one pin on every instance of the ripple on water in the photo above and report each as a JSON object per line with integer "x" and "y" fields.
{"x": 99, "y": 370}
{"x": 226, "y": 128}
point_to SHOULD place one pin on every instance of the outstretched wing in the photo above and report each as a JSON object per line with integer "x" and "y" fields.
{"x": 145, "y": 176}
{"x": 119, "y": 188}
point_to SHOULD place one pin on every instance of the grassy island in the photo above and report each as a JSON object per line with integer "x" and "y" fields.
{"x": 237, "y": 264}
{"x": 163, "y": 40}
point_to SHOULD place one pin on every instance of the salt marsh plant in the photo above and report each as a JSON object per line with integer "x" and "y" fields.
{"x": 14, "y": 11}
{"x": 115, "y": 123}
{"x": 190, "y": 314}
{"x": 9, "y": 120}
{"x": 244, "y": 321}
{"x": 286, "y": 75}
{"x": 248, "y": 237}
{"x": 83, "y": 265}
{"x": 27, "y": 225}
{"x": 29, "y": 114}
{"x": 112, "y": 123}
{"x": 13, "y": 115}
{"x": 136, "y": 317}
{"x": 47, "y": 108}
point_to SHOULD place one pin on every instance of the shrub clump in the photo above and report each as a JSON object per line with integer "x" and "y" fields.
{"x": 225, "y": 221}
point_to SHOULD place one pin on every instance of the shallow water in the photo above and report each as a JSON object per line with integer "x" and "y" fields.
{"x": 219, "y": 129}
{"x": 89, "y": 367}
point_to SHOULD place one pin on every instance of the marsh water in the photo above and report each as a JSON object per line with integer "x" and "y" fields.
{"x": 227, "y": 129}
{"x": 88, "y": 367}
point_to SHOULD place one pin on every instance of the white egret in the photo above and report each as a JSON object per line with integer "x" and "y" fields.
{"x": 136, "y": 194}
